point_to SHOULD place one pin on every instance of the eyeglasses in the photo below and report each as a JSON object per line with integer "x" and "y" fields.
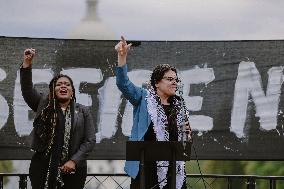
{"x": 170, "y": 79}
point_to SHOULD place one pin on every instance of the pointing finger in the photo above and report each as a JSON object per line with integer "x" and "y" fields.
{"x": 122, "y": 39}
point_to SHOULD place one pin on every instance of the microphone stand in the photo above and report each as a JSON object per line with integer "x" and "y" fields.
{"x": 183, "y": 124}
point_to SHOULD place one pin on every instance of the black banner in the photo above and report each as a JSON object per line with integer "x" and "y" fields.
{"x": 233, "y": 90}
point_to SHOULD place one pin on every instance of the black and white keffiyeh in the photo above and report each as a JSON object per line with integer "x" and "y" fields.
{"x": 59, "y": 152}
{"x": 159, "y": 119}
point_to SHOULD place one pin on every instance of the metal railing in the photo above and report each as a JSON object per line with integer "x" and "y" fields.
{"x": 100, "y": 179}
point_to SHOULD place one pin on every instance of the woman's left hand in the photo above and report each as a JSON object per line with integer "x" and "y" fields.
{"x": 68, "y": 167}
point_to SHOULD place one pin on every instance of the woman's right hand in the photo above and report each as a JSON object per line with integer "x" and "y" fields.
{"x": 28, "y": 57}
{"x": 122, "y": 49}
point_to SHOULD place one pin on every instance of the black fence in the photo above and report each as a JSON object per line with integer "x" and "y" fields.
{"x": 204, "y": 181}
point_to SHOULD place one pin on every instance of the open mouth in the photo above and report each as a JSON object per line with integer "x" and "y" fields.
{"x": 63, "y": 91}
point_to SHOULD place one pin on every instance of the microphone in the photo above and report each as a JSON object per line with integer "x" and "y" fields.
{"x": 134, "y": 43}
{"x": 184, "y": 134}
{"x": 180, "y": 88}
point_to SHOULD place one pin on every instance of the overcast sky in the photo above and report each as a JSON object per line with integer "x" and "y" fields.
{"x": 149, "y": 19}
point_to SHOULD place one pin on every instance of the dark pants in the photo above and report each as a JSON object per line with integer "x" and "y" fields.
{"x": 151, "y": 178}
{"x": 38, "y": 169}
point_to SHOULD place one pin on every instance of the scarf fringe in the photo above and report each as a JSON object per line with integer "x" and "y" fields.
{"x": 159, "y": 119}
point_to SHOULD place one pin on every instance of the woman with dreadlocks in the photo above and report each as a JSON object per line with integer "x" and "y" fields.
{"x": 63, "y": 132}
{"x": 158, "y": 114}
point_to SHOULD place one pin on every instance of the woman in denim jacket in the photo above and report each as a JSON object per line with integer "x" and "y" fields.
{"x": 157, "y": 113}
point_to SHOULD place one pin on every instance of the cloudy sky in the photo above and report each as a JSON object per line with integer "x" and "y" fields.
{"x": 148, "y": 19}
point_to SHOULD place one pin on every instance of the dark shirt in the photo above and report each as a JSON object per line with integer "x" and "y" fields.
{"x": 151, "y": 177}
{"x": 171, "y": 127}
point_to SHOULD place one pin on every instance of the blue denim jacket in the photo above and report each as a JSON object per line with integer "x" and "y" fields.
{"x": 141, "y": 119}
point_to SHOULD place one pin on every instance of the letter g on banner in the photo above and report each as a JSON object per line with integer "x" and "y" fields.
{"x": 23, "y": 123}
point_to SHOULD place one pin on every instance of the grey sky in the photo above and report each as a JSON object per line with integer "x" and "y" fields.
{"x": 149, "y": 19}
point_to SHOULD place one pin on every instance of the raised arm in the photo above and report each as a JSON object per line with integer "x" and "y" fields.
{"x": 31, "y": 96}
{"x": 128, "y": 89}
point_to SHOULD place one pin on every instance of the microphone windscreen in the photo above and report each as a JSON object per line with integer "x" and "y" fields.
{"x": 134, "y": 43}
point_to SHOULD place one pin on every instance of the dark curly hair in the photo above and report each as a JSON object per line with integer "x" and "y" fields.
{"x": 53, "y": 83}
{"x": 49, "y": 115}
{"x": 159, "y": 72}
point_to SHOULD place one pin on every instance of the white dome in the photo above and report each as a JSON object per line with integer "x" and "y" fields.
{"x": 92, "y": 30}
{"x": 91, "y": 27}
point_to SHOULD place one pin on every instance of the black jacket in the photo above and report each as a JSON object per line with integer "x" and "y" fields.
{"x": 83, "y": 130}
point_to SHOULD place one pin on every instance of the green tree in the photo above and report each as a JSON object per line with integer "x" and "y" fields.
{"x": 6, "y": 167}
{"x": 216, "y": 167}
{"x": 261, "y": 168}
{"x": 265, "y": 168}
